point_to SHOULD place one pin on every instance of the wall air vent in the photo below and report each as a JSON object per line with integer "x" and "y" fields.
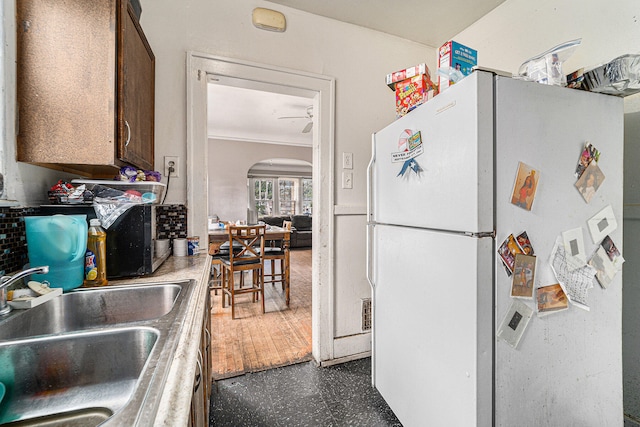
{"x": 366, "y": 314}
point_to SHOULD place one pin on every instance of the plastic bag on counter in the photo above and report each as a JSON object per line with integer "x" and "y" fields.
{"x": 546, "y": 68}
{"x": 110, "y": 203}
{"x": 620, "y": 76}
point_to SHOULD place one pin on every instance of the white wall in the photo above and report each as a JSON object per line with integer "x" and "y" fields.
{"x": 519, "y": 29}
{"x": 356, "y": 57}
{"x": 229, "y": 162}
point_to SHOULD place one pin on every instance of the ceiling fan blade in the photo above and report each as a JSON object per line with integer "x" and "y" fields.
{"x": 294, "y": 117}
{"x": 307, "y": 128}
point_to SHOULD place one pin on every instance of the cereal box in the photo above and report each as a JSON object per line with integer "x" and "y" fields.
{"x": 455, "y": 61}
{"x": 407, "y": 73}
{"x": 412, "y": 92}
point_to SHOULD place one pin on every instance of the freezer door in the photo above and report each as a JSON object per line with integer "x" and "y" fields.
{"x": 454, "y": 191}
{"x": 432, "y": 326}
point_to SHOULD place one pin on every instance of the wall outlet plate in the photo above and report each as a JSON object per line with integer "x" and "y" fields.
{"x": 168, "y": 163}
{"x": 347, "y": 160}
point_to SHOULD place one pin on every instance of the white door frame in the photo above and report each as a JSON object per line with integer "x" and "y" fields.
{"x": 200, "y": 65}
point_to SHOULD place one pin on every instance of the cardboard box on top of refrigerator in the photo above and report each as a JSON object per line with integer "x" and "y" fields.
{"x": 412, "y": 92}
{"x": 407, "y": 73}
{"x": 455, "y": 61}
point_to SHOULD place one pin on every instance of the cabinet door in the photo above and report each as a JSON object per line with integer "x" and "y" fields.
{"x": 66, "y": 83}
{"x": 206, "y": 352}
{"x": 197, "y": 416}
{"x": 136, "y": 89}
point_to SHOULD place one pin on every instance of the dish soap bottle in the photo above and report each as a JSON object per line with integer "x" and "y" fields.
{"x": 95, "y": 266}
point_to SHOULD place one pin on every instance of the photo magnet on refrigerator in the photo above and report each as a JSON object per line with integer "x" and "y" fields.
{"x": 551, "y": 299}
{"x": 589, "y": 153}
{"x": 605, "y": 270}
{"x": 612, "y": 251}
{"x": 524, "y": 187}
{"x": 409, "y": 147}
{"x": 590, "y": 181}
{"x": 524, "y": 273}
{"x": 602, "y": 223}
{"x": 514, "y": 323}
{"x": 574, "y": 247}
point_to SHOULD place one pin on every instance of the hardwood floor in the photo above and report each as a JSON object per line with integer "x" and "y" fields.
{"x": 255, "y": 341}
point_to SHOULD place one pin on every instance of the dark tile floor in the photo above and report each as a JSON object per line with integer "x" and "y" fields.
{"x": 628, "y": 422}
{"x": 301, "y": 395}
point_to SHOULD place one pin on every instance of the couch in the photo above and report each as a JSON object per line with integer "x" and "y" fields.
{"x": 300, "y": 228}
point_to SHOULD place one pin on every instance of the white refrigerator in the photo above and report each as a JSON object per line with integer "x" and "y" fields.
{"x": 439, "y": 290}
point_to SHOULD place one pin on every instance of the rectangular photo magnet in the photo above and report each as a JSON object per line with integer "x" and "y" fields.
{"x": 524, "y": 187}
{"x": 523, "y": 278}
{"x": 602, "y": 224}
{"x": 514, "y": 323}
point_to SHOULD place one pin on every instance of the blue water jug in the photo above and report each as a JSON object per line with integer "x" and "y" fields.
{"x": 59, "y": 241}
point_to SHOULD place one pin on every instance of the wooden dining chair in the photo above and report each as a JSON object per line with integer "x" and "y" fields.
{"x": 246, "y": 253}
{"x": 279, "y": 253}
{"x": 217, "y": 254}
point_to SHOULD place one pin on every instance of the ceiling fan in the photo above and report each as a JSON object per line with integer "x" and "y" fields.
{"x": 309, "y": 117}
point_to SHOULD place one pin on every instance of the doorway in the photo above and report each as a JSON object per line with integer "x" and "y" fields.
{"x": 260, "y": 170}
{"x": 199, "y": 68}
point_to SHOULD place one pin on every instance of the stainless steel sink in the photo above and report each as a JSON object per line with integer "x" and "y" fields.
{"x": 91, "y": 308}
{"x": 91, "y": 356}
{"x": 86, "y": 376}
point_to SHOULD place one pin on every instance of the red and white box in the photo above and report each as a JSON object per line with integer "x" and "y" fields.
{"x": 407, "y": 73}
{"x": 412, "y": 92}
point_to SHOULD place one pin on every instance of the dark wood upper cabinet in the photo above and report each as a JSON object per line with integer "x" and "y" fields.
{"x": 85, "y": 87}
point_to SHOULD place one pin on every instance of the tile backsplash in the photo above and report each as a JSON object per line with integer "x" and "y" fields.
{"x": 13, "y": 239}
{"x": 171, "y": 222}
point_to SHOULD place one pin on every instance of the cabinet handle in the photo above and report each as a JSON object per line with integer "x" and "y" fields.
{"x": 126, "y": 123}
{"x": 199, "y": 374}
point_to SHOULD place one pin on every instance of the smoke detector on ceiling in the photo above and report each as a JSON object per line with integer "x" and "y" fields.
{"x": 267, "y": 19}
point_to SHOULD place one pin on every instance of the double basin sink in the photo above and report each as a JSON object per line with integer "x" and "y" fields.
{"x": 91, "y": 356}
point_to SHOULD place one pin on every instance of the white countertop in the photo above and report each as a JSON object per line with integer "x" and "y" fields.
{"x": 175, "y": 403}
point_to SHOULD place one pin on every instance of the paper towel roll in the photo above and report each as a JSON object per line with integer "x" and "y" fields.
{"x": 179, "y": 247}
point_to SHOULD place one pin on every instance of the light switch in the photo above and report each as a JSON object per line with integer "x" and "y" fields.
{"x": 347, "y": 180}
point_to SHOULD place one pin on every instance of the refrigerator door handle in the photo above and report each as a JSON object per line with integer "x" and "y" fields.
{"x": 370, "y": 179}
{"x": 481, "y": 234}
{"x": 369, "y": 258}
{"x": 370, "y": 225}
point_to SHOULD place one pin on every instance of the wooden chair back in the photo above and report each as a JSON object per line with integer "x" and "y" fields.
{"x": 246, "y": 243}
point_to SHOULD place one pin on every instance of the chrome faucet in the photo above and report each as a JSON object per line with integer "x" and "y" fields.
{"x": 5, "y": 281}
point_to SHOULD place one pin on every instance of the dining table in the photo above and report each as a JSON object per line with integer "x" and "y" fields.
{"x": 273, "y": 236}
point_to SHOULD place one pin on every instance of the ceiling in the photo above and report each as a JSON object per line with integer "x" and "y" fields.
{"x": 428, "y": 22}
{"x": 250, "y": 111}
